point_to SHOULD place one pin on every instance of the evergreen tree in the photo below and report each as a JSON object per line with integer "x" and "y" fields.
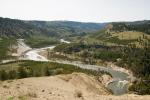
{"x": 3, "y": 75}
{"x": 12, "y": 74}
{"x": 22, "y": 72}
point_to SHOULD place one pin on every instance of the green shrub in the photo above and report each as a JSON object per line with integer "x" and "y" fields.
{"x": 3, "y": 75}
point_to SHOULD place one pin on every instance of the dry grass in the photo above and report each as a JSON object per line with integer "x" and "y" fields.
{"x": 5, "y": 86}
{"x": 130, "y": 35}
{"x": 32, "y": 95}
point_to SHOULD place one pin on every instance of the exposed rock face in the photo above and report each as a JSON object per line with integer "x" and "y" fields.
{"x": 86, "y": 84}
{"x": 105, "y": 79}
{"x": 76, "y": 86}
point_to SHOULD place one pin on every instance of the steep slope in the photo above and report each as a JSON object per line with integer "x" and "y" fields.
{"x": 18, "y": 29}
{"x": 71, "y": 86}
{"x": 76, "y": 86}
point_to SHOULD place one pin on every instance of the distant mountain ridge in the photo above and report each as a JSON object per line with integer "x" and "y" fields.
{"x": 68, "y": 27}
{"x": 22, "y": 29}
{"x": 62, "y": 29}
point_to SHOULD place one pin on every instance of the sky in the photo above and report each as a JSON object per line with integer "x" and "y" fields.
{"x": 76, "y": 10}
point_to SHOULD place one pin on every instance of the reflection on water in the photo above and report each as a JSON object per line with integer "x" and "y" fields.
{"x": 118, "y": 87}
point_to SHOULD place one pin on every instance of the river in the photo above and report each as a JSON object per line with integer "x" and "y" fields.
{"x": 118, "y": 86}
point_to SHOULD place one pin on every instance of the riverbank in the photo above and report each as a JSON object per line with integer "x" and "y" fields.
{"x": 21, "y": 48}
{"x": 117, "y": 68}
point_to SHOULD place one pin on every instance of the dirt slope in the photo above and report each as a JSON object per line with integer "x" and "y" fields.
{"x": 76, "y": 86}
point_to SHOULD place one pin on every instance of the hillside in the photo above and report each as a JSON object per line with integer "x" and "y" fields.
{"x": 76, "y": 86}
{"x": 22, "y": 29}
{"x": 141, "y": 26}
{"x": 69, "y": 87}
{"x": 18, "y": 29}
{"x": 126, "y": 48}
{"x": 39, "y": 33}
{"x": 67, "y": 28}
{"x": 7, "y": 48}
{"x": 122, "y": 33}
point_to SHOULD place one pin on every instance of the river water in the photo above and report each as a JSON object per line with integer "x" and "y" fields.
{"x": 118, "y": 86}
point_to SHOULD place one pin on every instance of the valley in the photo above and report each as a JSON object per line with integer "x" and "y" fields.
{"x": 33, "y": 54}
{"x": 118, "y": 76}
{"x": 109, "y": 59}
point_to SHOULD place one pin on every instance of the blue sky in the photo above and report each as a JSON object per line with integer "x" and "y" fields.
{"x": 76, "y": 10}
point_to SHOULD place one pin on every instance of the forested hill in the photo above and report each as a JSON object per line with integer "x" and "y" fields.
{"x": 17, "y": 28}
{"x": 68, "y": 28}
{"x": 141, "y": 26}
{"x": 60, "y": 29}
{"x": 22, "y": 29}
{"x": 70, "y": 24}
{"x": 122, "y": 33}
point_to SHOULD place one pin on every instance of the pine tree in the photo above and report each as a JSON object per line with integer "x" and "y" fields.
{"x": 12, "y": 74}
{"x": 3, "y": 75}
{"x": 22, "y": 72}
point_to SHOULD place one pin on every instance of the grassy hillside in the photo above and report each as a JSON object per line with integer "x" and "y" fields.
{"x": 23, "y": 69}
{"x": 37, "y": 42}
{"x": 6, "y": 48}
{"x": 113, "y": 36}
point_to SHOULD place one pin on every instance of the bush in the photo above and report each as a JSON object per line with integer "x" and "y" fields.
{"x": 12, "y": 74}
{"x": 3, "y": 75}
{"x": 22, "y": 73}
{"x": 141, "y": 88}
